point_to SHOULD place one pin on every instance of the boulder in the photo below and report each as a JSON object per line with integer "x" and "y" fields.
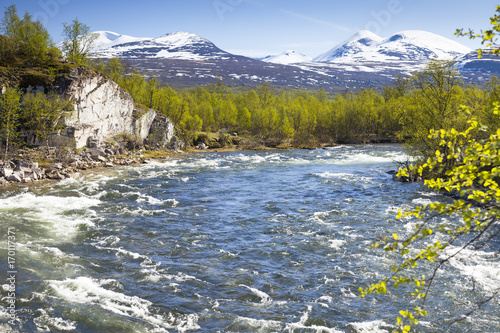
{"x": 99, "y": 158}
{"x": 20, "y": 173}
{"x": 57, "y": 166}
{"x": 6, "y": 172}
{"x": 177, "y": 145}
{"x": 161, "y": 132}
{"x": 15, "y": 178}
{"x": 201, "y": 146}
{"x": 31, "y": 175}
{"x": 23, "y": 169}
{"x": 96, "y": 152}
{"x": 92, "y": 142}
{"x": 109, "y": 152}
{"x": 20, "y": 163}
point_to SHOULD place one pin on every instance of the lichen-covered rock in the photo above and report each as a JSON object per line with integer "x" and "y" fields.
{"x": 161, "y": 131}
{"x": 102, "y": 110}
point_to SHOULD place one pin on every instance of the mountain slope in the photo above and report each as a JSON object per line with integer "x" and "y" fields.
{"x": 411, "y": 45}
{"x": 176, "y": 45}
{"x": 107, "y": 39}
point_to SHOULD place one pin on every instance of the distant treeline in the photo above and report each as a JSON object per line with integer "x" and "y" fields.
{"x": 404, "y": 111}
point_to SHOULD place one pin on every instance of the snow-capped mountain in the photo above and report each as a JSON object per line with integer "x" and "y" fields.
{"x": 184, "y": 59}
{"x": 411, "y": 45}
{"x": 287, "y": 58}
{"x": 176, "y": 45}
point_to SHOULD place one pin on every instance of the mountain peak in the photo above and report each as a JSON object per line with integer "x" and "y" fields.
{"x": 175, "y": 45}
{"x": 107, "y": 39}
{"x": 287, "y": 57}
{"x": 409, "y": 45}
{"x": 365, "y": 34}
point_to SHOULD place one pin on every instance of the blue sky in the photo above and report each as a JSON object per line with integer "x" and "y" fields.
{"x": 263, "y": 27}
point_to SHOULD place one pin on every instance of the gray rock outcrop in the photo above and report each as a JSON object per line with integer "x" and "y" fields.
{"x": 103, "y": 110}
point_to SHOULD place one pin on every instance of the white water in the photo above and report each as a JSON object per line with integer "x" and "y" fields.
{"x": 229, "y": 242}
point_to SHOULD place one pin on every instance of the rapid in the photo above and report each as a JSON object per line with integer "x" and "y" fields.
{"x": 267, "y": 241}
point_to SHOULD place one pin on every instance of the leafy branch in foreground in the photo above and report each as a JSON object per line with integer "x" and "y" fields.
{"x": 488, "y": 37}
{"x": 469, "y": 165}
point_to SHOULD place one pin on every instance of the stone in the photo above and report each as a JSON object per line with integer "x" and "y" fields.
{"x": 40, "y": 172}
{"x": 20, "y": 163}
{"x": 102, "y": 109}
{"x": 6, "y": 172}
{"x": 31, "y": 175}
{"x": 53, "y": 174}
{"x": 20, "y": 173}
{"x": 95, "y": 152}
{"x": 23, "y": 169}
{"x": 178, "y": 145}
{"x": 57, "y": 166}
{"x": 14, "y": 178}
{"x": 201, "y": 146}
{"x": 3, "y": 181}
{"x": 92, "y": 142}
{"x": 161, "y": 132}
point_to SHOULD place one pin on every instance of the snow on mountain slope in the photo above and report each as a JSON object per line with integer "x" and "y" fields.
{"x": 108, "y": 39}
{"x": 287, "y": 58}
{"x": 177, "y": 45}
{"x": 411, "y": 45}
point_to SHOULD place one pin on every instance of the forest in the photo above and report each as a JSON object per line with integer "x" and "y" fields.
{"x": 402, "y": 112}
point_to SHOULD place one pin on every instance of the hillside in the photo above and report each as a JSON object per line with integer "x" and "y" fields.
{"x": 365, "y": 60}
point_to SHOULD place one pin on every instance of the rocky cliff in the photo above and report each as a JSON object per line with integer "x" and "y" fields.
{"x": 103, "y": 110}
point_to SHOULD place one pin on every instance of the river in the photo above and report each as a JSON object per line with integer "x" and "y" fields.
{"x": 269, "y": 241}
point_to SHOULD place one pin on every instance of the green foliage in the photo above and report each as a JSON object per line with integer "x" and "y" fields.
{"x": 9, "y": 116}
{"x": 43, "y": 114}
{"x": 25, "y": 39}
{"x": 79, "y": 42}
{"x": 469, "y": 162}
{"x": 489, "y": 38}
{"x": 432, "y": 102}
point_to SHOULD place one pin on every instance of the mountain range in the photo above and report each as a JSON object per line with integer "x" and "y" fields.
{"x": 183, "y": 59}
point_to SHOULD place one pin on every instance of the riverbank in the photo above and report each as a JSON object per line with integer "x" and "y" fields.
{"x": 35, "y": 164}
{"x": 32, "y": 165}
